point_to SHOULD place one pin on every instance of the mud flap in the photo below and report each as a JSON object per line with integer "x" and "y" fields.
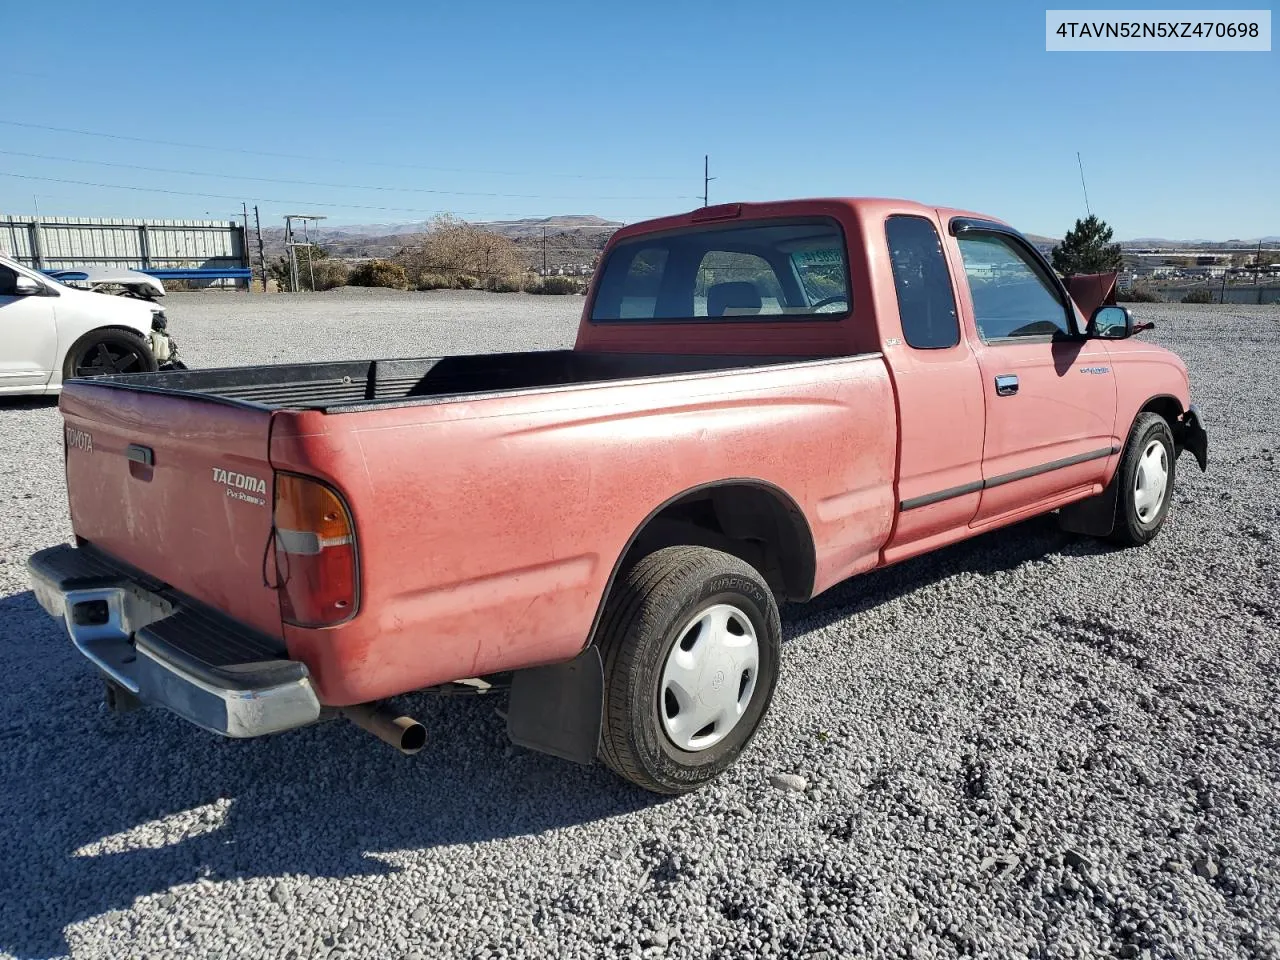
{"x": 1094, "y": 516}
{"x": 558, "y": 709}
{"x": 1193, "y": 436}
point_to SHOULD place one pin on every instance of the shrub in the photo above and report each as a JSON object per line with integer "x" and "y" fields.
{"x": 508, "y": 283}
{"x": 433, "y": 281}
{"x": 1198, "y": 296}
{"x": 1137, "y": 295}
{"x": 379, "y": 273}
{"x": 464, "y": 281}
{"x": 557, "y": 285}
{"x": 330, "y": 274}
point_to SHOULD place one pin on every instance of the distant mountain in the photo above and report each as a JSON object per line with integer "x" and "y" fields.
{"x": 371, "y": 229}
{"x": 571, "y": 238}
{"x": 528, "y": 227}
{"x": 532, "y": 227}
{"x": 1202, "y": 244}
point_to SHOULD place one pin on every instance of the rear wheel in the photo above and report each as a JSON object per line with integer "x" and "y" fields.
{"x": 691, "y": 643}
{"x": 103, "y": 352}
{"x": 1145, "y": 476}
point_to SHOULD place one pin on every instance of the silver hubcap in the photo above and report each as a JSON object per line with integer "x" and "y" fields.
{"x": 709, "y": 677}
{"x": 1152, "y": 481}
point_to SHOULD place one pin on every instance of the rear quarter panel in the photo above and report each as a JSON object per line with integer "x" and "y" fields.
{"x": 488, "y": 529}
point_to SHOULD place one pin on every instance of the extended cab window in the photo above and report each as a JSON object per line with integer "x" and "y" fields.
{"x": 1011, "y": 297}
{"x": 926, "y": 303}
{"x": 776, "y": 269}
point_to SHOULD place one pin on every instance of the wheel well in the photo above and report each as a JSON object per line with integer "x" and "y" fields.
{"x": 106, "y": 328}
{"x": 1167, "y": 407}
{"x": 1171, "y": 410}
{"x": 751, "y": 520}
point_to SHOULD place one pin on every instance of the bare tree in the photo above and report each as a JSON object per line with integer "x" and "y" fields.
{"x": 454, "y": 249}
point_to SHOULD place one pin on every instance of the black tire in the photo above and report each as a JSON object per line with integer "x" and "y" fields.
{"x": 644, "y": 617}
{"x": 108, "y": 351}
{"x": 1130, "y": 529}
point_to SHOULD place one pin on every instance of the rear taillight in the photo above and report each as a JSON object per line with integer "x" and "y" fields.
{"x": 315, "y": 553}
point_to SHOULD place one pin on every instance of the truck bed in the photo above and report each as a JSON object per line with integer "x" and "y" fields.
{"x": 356, "y": 384}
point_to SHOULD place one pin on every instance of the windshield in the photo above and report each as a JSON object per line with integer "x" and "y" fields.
{"x": 764, "y": 270}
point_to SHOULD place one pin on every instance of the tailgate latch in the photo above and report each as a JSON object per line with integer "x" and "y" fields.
{"x": 140, "y": 454}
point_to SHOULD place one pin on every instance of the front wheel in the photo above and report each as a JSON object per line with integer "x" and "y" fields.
{"x": 691, "y": 644}
{"x": 104, "y": 352}
{"x": 1145, "y": 476}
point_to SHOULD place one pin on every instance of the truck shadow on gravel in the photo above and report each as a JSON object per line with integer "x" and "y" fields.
{"x": 1030, "y": 541}
{"x": 101, "y": 809}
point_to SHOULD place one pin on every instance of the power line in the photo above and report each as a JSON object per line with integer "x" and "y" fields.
{"x": 298, "y": 156}
{"x": 225, "y": 196}
{"x": 318, "y": 183}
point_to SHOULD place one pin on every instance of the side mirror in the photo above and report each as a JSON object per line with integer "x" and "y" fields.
{"x": 1110, "y": 322}
{"x": 24, "y": 286}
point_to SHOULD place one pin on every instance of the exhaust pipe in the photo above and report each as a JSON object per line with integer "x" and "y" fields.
{"x": 404, "y": 733}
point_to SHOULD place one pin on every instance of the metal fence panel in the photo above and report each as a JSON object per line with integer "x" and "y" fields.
{"x": 62, "y": 242}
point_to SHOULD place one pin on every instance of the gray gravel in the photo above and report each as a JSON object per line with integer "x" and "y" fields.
{"x": 1025, "y": 745}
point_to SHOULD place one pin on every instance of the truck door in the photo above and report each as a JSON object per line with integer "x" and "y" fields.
{"x": 939, "y": 393}
{"x": 1049, "y": 393}
{"x": 28, "y": 336}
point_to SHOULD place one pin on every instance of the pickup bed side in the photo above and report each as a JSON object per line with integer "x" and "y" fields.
{"x": 547, "y": 489}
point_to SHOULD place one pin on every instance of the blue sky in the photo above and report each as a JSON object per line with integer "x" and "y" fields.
{"x": 516, "y": 110}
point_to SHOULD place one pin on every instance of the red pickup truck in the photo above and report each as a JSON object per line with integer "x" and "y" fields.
{"x": 763, "y": 400}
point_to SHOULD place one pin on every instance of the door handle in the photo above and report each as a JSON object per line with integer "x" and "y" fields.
{"x": 1006, "y": 385}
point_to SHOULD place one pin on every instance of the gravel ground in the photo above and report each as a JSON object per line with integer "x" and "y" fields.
{"x": 1026, "y": 745}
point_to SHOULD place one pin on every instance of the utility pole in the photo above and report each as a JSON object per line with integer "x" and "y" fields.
{"x": 544, "y": 251}
{"x": 706, "y": 178}
{"x": 293, "y": 254}
{"x": 244, "y": 247}
{"x": 262, "y": 256}
{"x": 311, "y": 254}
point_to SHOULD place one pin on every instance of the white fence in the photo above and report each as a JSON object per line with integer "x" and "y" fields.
{"x": 64, "y": 242}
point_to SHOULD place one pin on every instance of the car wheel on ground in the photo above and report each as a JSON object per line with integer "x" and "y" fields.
{"x": 1145, "y": 476}
{"x": 108, "y": 351}
{"x": 691, "y": 643}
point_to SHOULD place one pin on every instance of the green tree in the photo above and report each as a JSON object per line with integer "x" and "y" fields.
{"x": 1087, "y": 248}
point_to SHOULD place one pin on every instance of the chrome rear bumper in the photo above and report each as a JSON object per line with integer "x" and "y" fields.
{"x": 170, "y": 651}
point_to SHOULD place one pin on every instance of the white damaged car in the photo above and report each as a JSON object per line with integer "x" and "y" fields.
{"x": 50, "y": 332}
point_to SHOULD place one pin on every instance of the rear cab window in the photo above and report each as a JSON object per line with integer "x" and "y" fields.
{"x": 762, "y": 270}
{"x": 922, "y": 282}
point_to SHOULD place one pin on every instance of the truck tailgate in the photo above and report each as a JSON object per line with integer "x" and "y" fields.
{"x": 178, "y": 486}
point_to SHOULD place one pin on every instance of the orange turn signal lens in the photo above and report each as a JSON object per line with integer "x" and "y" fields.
{"x": 315, "y": 553}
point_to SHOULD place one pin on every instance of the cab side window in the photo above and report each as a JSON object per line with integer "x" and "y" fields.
{"x": 1011, "y": 296}
{"x": 926, "y": 302}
